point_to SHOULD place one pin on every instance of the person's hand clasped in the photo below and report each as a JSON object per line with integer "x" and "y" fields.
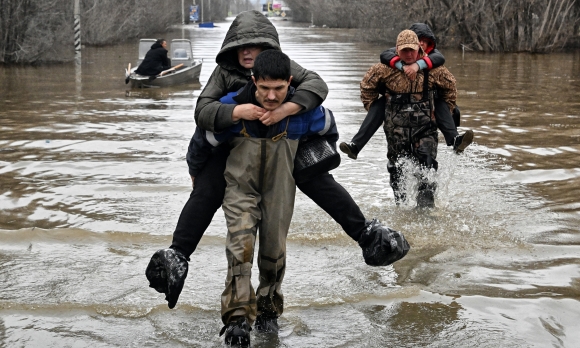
{"x": 281, "y": 112}
{"x": 249, "y": 112}
{"x": 272, "y": 117}
{"x": 411, "y": 71}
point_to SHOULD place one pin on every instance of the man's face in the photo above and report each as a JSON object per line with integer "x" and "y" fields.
{"x": 408, "y": 55}
{"x": 271, "y": 93}
{"x": 247, "y": 54}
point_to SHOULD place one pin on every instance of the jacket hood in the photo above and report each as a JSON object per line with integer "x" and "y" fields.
{"x": 423, "y": 31}
{"x": 248, "y": 28}
{"x": 156, "y": 45}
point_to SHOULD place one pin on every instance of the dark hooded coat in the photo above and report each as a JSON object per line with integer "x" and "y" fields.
{"x": 155, "y": 61}
{"x": 249, "y": 28}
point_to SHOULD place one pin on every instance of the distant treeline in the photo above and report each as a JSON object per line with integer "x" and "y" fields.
{"x": 33, "y": 31}
{"x": 482, "y": 25}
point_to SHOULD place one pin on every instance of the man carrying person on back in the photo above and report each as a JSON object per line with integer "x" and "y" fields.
{"x": 260, "y": 195}
{"x": 409, "y": 117}
{"x": 249, "y": 34}
{"x": 446, "y": 122}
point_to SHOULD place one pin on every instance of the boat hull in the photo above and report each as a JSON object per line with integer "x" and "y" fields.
{"x": 181, "y": 76}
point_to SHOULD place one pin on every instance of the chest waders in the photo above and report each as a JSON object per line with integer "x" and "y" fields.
{"x": 411, "y": 132}
{"x": 259, "y": 197}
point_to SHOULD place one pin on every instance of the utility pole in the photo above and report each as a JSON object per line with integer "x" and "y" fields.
{"x": 77, "y": 36}
{"x": 77, "y": 26}
{"x": 182, "y": 13}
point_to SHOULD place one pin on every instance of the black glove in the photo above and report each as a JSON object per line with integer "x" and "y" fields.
{"x": 381, "y": 245}
{"x": 166, "y": 273}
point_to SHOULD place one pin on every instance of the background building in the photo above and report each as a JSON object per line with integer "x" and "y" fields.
{"x": 275, "y": 8}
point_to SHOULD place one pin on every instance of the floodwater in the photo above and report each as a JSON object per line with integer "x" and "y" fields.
{"x": 93, "y": 178}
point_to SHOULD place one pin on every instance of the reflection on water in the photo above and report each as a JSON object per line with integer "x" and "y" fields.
{"x": 93, "y": 177}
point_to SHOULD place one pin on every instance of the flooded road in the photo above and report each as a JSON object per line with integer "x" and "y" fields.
{"x": 93, "y": 178}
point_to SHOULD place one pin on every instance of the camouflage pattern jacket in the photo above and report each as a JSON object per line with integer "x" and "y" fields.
{"x": 382, "y": 79}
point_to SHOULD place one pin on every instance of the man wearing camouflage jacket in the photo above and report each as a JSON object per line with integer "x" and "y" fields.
{"x": 410, "y": 124}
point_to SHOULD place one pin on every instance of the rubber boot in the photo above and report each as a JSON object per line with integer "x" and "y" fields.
{"x": 426, "y": 195}
{"x": 395, "y": 181}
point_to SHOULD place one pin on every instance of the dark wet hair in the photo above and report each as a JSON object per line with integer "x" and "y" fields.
{"x": 272, "y": 65}
{"x": 160, "y": 41}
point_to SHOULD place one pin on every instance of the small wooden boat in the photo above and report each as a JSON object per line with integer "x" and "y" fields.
{"x": 185, "y": 69}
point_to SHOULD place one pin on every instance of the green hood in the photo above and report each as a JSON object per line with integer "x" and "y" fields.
{"x": 248, "y": 28}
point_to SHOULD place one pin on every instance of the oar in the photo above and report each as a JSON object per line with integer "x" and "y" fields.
{"x": 127, "y": 73}
{"x": 171, "y": 69}
{"x": 151, "y": 78}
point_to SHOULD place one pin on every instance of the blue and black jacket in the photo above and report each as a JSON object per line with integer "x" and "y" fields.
{"x": 316, "y": 122}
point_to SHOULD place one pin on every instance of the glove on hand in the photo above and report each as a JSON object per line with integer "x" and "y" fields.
{"x": 381, "y": 245}
{"x": 166, "y": 273}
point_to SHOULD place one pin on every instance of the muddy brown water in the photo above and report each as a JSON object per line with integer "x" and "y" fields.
{"x": 93, "y": 178}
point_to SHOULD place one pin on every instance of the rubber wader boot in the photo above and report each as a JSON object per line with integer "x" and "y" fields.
{"x": 237, "y": 332}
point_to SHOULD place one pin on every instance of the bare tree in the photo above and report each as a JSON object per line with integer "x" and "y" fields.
{"x": 484, "y": 25}
{"x": 129, "y": 19}
{"x": 38, "y": 31}
{"x": 33, "y": 31}
{"x": 503, "y": 25}
{"x": 301, "y": 10}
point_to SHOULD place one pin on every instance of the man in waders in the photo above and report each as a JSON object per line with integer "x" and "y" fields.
{"x": 409, "y": 122}
{"x": 259, "y": 193}
{"x": 260, "y": 174}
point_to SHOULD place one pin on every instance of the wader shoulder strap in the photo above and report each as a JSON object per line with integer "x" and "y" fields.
{"x": 425, "y": 84}
{"x": 244, "y": 132}
{"x": 284, "y": 133}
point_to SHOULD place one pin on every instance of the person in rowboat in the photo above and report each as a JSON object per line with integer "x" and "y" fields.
{"x": 155, "y": 60}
